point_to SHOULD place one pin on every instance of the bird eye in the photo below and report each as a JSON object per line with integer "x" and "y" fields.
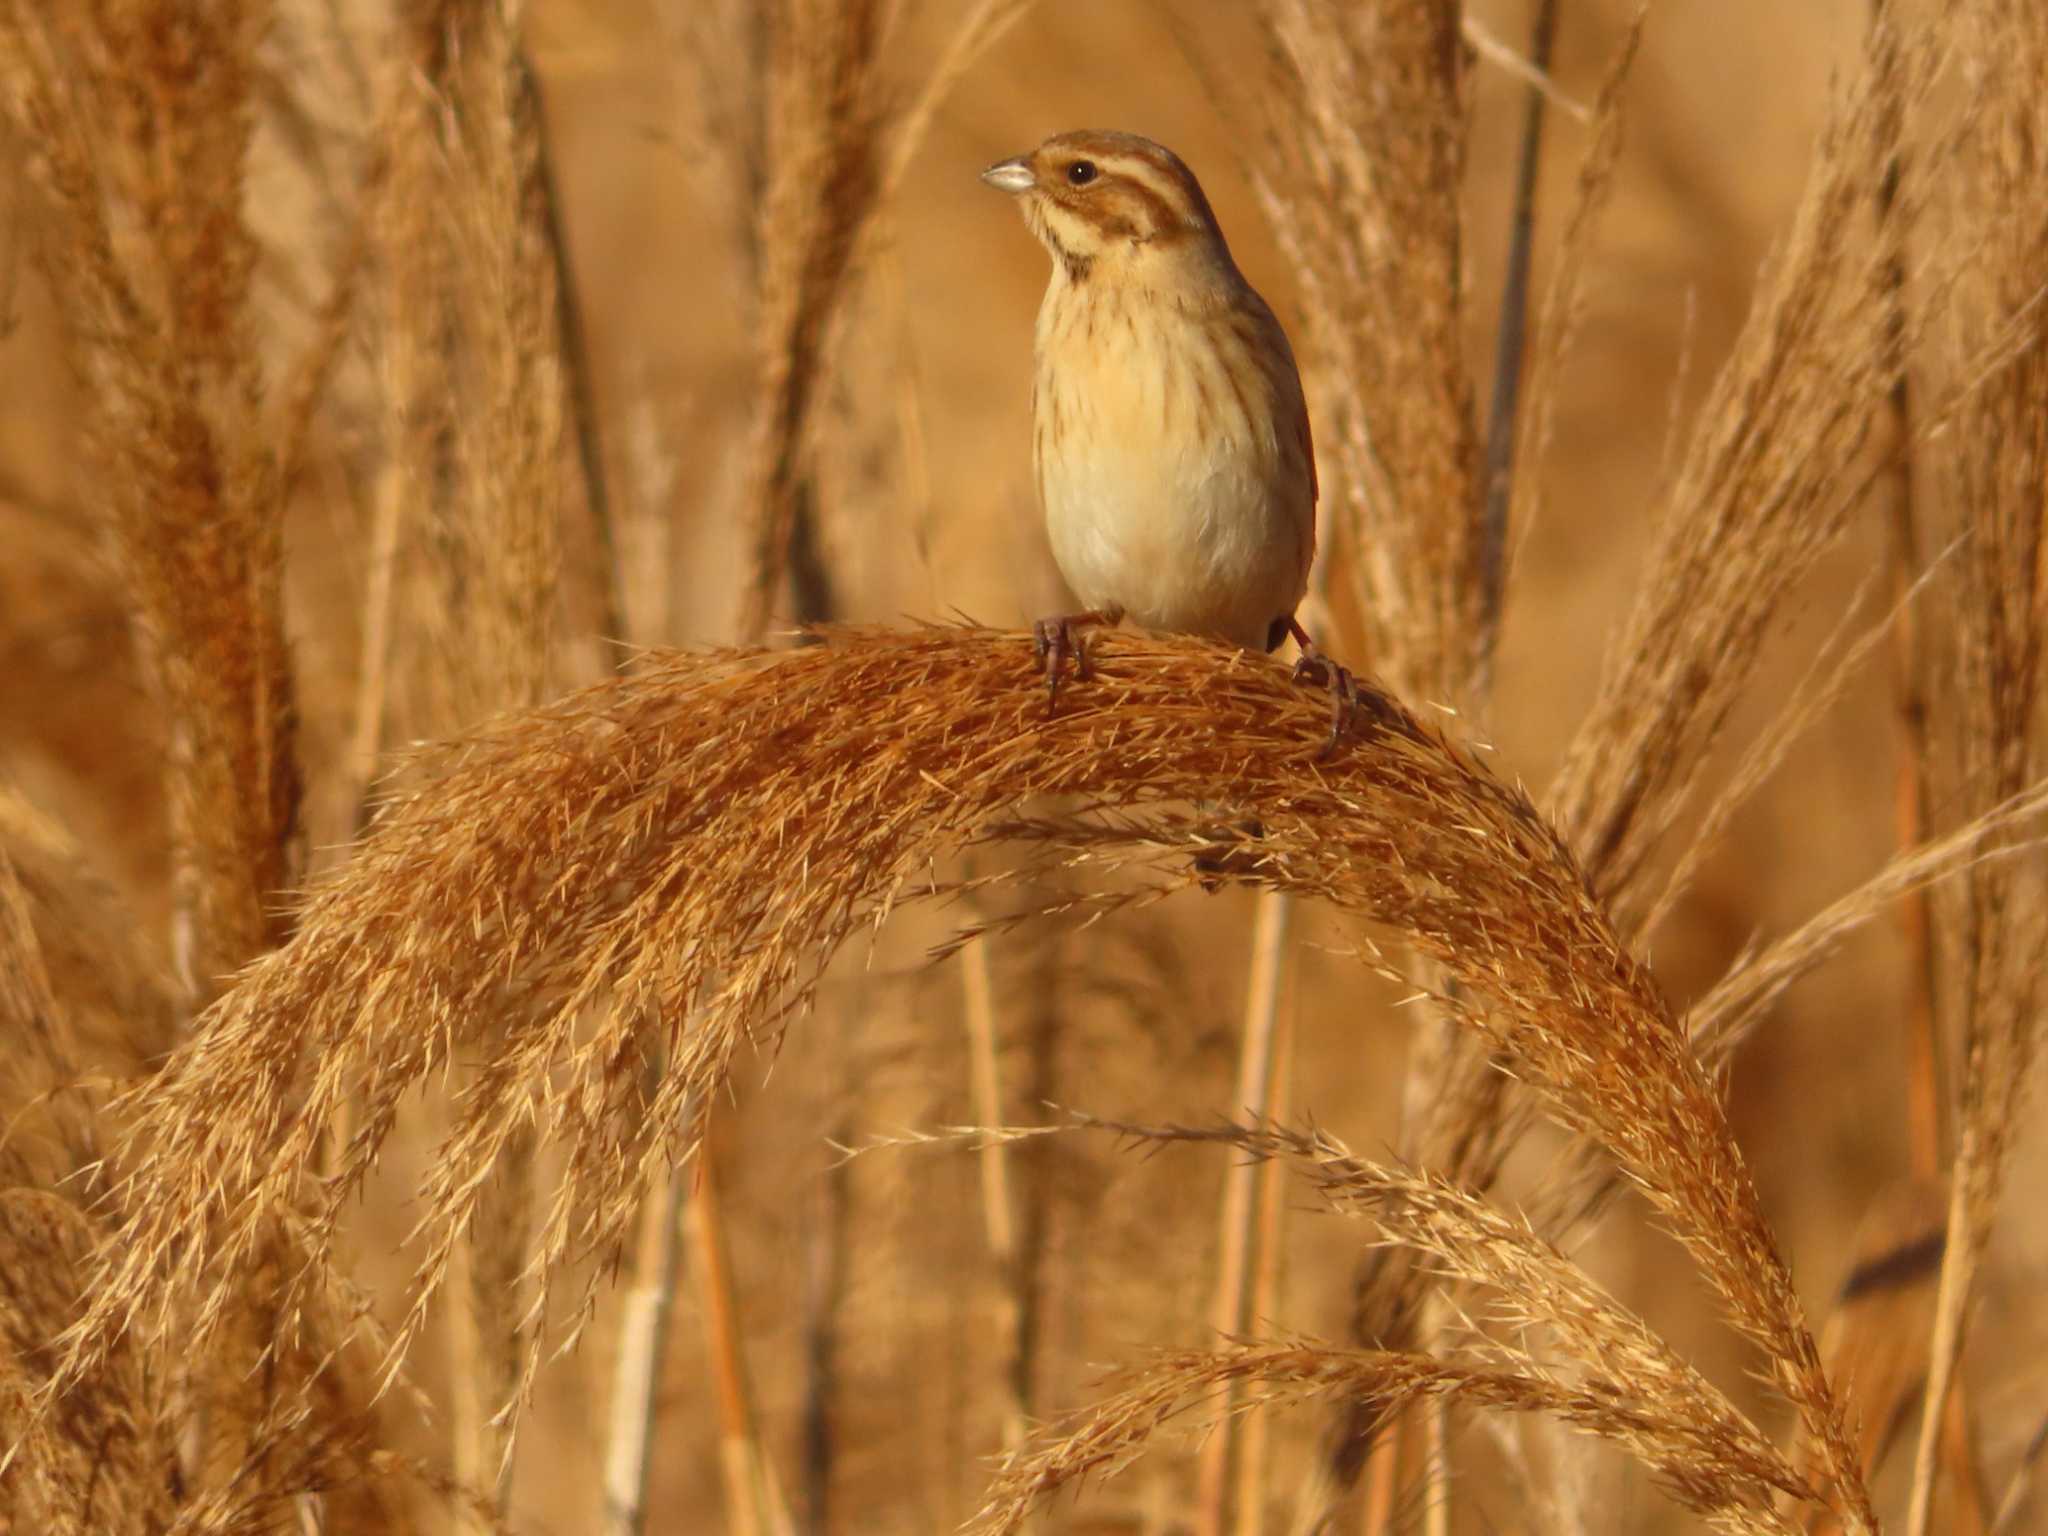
{"x": 1081, "y": 172}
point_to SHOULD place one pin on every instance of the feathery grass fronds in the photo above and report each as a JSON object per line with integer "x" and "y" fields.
{"x": 106, "y": 1456}
{"x": 827, "y": 116}
{"x": 1698, "y": 1467}
{"x": 1564, "y": 300}
{"x": 1532, "y": 1284}
{"x": 478, "y": 400}
{"x": 836, "y": 139}
{"x": 1735, "y": 1004}
{"x": 117, "y": 1009}
{"x": 1455, "y": 1096}
{"x": 135, "y": 120}
{"x": 1364, "y": 152}
{"x": 1775, "y": 467}
{"x": 663, "y": 863}
{"x": 1835, "y": 662}
{"x": 1997, "y": 930}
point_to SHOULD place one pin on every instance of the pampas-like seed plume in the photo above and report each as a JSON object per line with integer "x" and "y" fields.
{"x": 137, "y": 121}
{"x": 1364, "y": 152}
{"x": 1748, "y": 513}
{"x": 1612, "y": 1353}
{"x": 1695, "y": 1464}
{"x": 665, "y": 861}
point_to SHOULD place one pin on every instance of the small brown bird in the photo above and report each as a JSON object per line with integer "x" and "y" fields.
{"x": 1170, "y": 436}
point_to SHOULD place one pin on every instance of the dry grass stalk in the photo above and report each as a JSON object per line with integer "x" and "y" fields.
{"x": 2019, "y": 1492}
{"x": 1254, "y": 1468}
{"x": 642, "y": 1349}
{"x": 118, "y": 1006}
{"x": 1564, "y": 300}
{"x": 1995, "y": 931}
{"x": 998, "y": 1211}
{"x": 1835, "y": 664}
{"x": 1502, "y": 416}
{"x": 1910, "y": 659}
{"x": 754, "y": 1502}
{"x": 827, "y": 1261}
{"x": 1718, "y": 1021}
{"x": 662, "y": 863}
{"x": 605, "y": 579}
{"x": 1230, "y": 1314}
{"x": 1363, "y": 160}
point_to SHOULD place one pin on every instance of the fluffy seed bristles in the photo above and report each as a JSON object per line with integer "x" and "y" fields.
{"x": 1531, "y": 1284}
{"x": 1747, "y": 517}
{"x": 666, "y": 861}
{"x": 1721, "y": 1481}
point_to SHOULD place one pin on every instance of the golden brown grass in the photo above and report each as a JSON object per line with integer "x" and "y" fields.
{"x": 674, "y": 925}
{"x": 270, "y": 1143}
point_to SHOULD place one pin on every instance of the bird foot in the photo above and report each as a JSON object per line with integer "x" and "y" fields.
{"x": 1056, "y": 640}
{"x": 1345, "y": 701}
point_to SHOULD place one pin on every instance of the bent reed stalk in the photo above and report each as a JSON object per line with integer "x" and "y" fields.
{"x": 664, "y": 863}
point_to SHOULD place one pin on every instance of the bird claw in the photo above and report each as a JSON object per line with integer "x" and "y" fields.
{"x": 1057, "y": 640}
{"x": 1338, "y": 682}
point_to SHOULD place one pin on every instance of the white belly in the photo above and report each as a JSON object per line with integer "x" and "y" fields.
{"x": 1165, "y": 499}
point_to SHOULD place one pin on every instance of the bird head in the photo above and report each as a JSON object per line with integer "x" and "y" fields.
{"x": 1096, "y": 197}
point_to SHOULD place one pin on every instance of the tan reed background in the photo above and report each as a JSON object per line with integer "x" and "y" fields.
{"x": 380, "y": 376}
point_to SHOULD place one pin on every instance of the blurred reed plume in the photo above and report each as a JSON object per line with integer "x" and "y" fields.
{"x": 394, "y": 910}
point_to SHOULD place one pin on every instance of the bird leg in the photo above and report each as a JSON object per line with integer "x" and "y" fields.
{"x": 1337, "y": 681}
{"x": 1055, "y": 639}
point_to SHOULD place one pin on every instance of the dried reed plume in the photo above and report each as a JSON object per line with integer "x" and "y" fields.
{"x": 1989, "y": 723}
{"x": 1364, "y": 150}
{"x": 664, "y": 862}
{"x": 1700, "y": 1468}
{"x": 1718, "y": 1464}
{"x": 1777, "y": 463}
{"x": 810, "y": 154}
{"x": 136, "y": 118}
{"x": 476, "y": 402}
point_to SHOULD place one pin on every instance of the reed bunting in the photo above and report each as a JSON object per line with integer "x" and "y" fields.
{"x": 1169, "y": 432}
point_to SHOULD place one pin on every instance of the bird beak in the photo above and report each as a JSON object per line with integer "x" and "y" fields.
{"x": 1010, "y": 175}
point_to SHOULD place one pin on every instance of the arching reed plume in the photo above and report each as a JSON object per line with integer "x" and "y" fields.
{"x": 663, "y": 863}
{"x": 1552, "y": 1341}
